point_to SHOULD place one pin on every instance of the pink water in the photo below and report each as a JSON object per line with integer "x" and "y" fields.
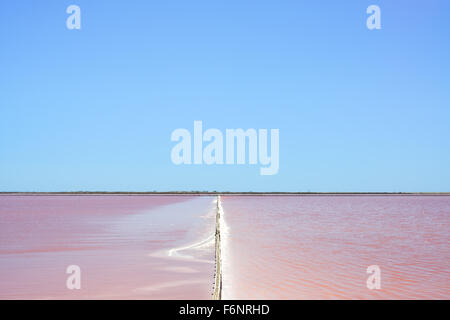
{"x": 319, "y": 247}
{"x": 121, "y": 243}
{"x": 274, "y": 247}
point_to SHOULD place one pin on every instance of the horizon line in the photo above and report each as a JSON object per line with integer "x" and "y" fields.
{"x": 196, "y": 192}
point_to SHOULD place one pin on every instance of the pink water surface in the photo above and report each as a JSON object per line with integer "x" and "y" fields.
{"x": 319, "y": 247}
{"x": 121, "y": 244}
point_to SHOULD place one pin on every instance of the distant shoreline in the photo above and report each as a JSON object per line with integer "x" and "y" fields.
{"x": 200, "y": 193}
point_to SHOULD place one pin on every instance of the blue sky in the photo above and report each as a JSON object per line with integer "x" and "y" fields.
{"x": 93, "y": 109}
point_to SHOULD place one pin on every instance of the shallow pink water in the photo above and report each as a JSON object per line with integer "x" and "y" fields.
{"x": 275, "y": 247}
{"x": 319, "y": 247}
{"x": 121, "y": 244}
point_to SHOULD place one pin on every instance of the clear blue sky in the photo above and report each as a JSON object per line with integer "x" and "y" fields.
{"x": 93, "y": 109}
